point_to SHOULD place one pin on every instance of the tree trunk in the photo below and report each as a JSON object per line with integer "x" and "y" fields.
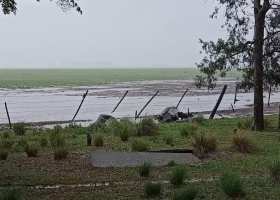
{"x": 258, "y": 72}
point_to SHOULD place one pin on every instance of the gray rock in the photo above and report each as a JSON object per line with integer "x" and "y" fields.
{"x": 105, "y": 119}
{"x": 171, "y": 114}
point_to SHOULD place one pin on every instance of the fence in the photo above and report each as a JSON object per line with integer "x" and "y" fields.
{"x": 46, "y": 107}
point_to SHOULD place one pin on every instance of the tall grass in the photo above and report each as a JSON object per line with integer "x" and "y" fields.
{"x": 169, "y": 139}
{"x": 31, "y": 149}
{"x": 232, "y": 185}
{"x": 199, "y": 119}
{"x": 147, "y": 127}
{"x": 274, "y": 169}
{"x": 3, "y": 154}
{"x": 9, "y": 194}
{"x": 123, "y": 128}
{"x": 242, "y": 142}
{"x": 139, "y": 145}
{"x": 186, "y": 193}
{"x": 178, "y": 175}
{"x": 98, "y": 140}
{"x": 245, "y": 123}
{"x": 57, "y": 137}
{"x": 19, "y": 128}
{"x": 204, "y": 143}
{"x": 145, "y": 169}
{"x": 153, "y": 189}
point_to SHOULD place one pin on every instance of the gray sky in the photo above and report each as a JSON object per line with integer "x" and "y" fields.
{"x": 110, "y": 33}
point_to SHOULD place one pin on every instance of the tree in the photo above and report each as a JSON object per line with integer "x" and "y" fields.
{"x": 223, "y": 74}
{"x": 255, "y": 19}
{"x": 10, "y": 6}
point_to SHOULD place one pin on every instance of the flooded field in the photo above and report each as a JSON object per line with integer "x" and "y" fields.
{"x": 61, "y": 103}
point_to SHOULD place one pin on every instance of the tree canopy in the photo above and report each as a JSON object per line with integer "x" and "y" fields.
{"x": 252, "y": 45}
{"x": 10, "y": 6}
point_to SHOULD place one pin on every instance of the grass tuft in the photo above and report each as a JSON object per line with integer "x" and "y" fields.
{"x": 9, "y": 194}
{"x": 31, "y": 149}
{"x": 274, "y": 169}
{"x": 6, "y": 135}
{"x": 171, "y": 163}
{"x": 123, "y": 128}
{"x": 187, "y": 193}
{"x": 44, "y": 141}
{"x": 3, "y": 154}
{"x": 232, "y": 185}
{"x": 139, "y": 145}
{"x": 153, "y": 189}
{"x": 199, "y": 119}
{"x": 145, "y": 169}
{"x": 184, "y": 130}
{"x": 98, "y": 141}
{"x": 241, "y": 142}
{"x": 245, "y": 123}
{"x": 169, "y": 139}
{"x": 147, "y": 127}
{"x": 60, "y": 153}
{"x": 19, "y": 128}
{"x": 7, "y": 143}
{"x": 57, "y": 137}
{"x": 178, "y": 175}
{"x": 204, "y": 143}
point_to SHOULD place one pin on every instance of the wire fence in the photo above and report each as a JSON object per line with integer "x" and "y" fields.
{"x": 60, "y": 107}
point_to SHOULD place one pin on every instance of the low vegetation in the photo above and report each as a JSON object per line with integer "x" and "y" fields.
{"x": 232, "y": 185}
{"x": 31, "y": 149}
{"x": 145, "y": 169}
{"x": 245, "y": 123}
{"x": 147, "y": 127}
{"x": 185, "y": 193}
{"x": 204, "y": 143}
{"x": 60, "y": 153}
{"x": 153, "y": 189}
{"x": 139, "y": 145}
{"x": 3, "y": 154}
{"x": 19, "y": 128}
{"x": 9, "y": 194}
{"x": 242, "y": 142}
{"x": 124, "y": 128}
{"x": 98, "y": 140}
{"x": 274, "y": 169}
{"x": 178, "y": 175}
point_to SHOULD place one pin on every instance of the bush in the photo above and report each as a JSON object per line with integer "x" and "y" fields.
{"x": 245, "y": 123}
{"x": 232, "y": 185}
{"x": 169, "y": 139}
{"x": 185, "y": 130}
{"x": 98, "y": 141}
{"x": 241, "y": 142}
{"x": 204, "y": 143}
{"x": 3, "y": 154}
{"x": 9, "y": 194}
{"x": 145, "y": 168}
{"x": 60, "y": 153}
{"x": 152, "y": 189}
{"x": 199, "y": 119}
{"x": 7, "y": 143}
{"x": 19, "y": 128}
{"x": 139, "y": 145}
{"x": 31, "y": 149}
{"x": 44, "y": 141}
{"x": 274, "y": 168}
{"x": 187, "y": 193}
{"x": 178, "y": 175}
{"x": 147, "y": 127}
{"x": 57, "y": 137}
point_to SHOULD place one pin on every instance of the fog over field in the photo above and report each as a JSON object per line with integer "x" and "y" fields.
{"x": 109, "y": 34}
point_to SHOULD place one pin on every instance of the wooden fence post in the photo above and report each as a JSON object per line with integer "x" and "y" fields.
{"x": 269, "y": 96}
{"x": 84, "y": 96}
{"x": 146, "y": 104}
{"x": 218, "y": 102}
{"x": 8, "y": 115}
{"x": 120, "y": 101}
{"x": 182, "y": 98}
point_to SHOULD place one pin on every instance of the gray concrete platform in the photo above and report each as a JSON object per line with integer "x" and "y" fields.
{"x": 132, "y": 159}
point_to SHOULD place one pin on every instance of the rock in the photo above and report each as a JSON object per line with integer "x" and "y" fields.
{"x": 105, "y": 119}
{"x": 171, "y": 114}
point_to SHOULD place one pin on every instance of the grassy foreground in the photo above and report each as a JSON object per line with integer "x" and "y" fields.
{"x": 125, "y": 183}
{"x": 17, "y": 78}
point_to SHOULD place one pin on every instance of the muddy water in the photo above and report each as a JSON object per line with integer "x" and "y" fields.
{"x": 60, "y": 104}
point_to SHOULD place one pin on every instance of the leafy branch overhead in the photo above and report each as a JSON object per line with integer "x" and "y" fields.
{"x": 10, "y": 6}
{"x": 237, "y": 50}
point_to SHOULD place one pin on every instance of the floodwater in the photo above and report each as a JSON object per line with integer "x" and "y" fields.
{"x": 60, "y": 104}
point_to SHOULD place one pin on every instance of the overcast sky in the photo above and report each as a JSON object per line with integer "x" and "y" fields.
{"x": 110, "y": 33}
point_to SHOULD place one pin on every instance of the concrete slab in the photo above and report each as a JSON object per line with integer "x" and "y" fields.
{"x": 132, "y": 159}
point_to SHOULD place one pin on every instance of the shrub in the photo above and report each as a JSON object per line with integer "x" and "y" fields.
{"x": 274, "y": 168}
{"x": 147, "y": 127}
{"x": 187, "y": 193}
{"x": 139, "y": 145}
{"x": 242, "y": 142}
{"x": 184, "y": 130}
{"x": 9, "y": 194}
{"x": 123, "y": 128}
{"x": 31, "y": 149}
{"x": 178, "y": 175}
{"x": 232, "y": 185}
{"x": 43, "y": 141}
{"x": 57, "y": 137}
{"x": 60, "y": 153}
{"x": 245, "y": 123}
{"x": 199, "y": 119}
{"x": 145, "y": 168}
{"x": 204, "y": 143}
{"x": 7, "y": 143}
{"x": 19, "y": 128}
{"x": 3, "y": 154}
{"x": 98, "y": 141}
{"x": 152, "y": 189}
{"x": 169, "y": 139}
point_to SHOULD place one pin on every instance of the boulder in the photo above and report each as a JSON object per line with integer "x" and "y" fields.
{"x": 105, "y": 119}
{"x": 171, "y": 114}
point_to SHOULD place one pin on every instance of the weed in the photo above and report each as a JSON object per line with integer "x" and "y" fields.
{"x": 144, "y": 169}
{"x": 241, "y": 142}
{"x": 204, "y": 143}
{"x": 178, "y": 175}
{"x": 147, "y": 127}
{"x": 139, "y": 145}
{"x": 31, "y": 149}
{"x": 232, "y": 185}
{"x": 3, "y": 154}
{"x": 274, "y": 168}
{"x": 245, "y": 123}
{"x": 60, "y": 153}
{"x": 98, "y": 141}
{"x": 9, "y": 194}
{"x": 57, "y": 137}
{"x": 44, "y": 141}
{"x": 187, "y": 193}
{"x": 153, "y": 189}
{"x": 19, "y": 128}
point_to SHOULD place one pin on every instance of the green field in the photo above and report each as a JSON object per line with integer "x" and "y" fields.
{"x": 125, "y": 183}
{"x": 24, "y": 78}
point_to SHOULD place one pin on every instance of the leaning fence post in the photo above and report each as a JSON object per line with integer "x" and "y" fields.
{"x": 232, "y": 107}
{"x": 8, "y": 115}
{"x": 236, "y": 90}
{"x": 146, "y": 105}
{"x": 279, "y": 120}
{"x": 84, "y": 96}
{"x": 269, "y": 96}
{"x": 218, "y": 102}
{"x": 120, "y": 102}
{"x": 135, "y": 114}
{"x": 182, "y": 98}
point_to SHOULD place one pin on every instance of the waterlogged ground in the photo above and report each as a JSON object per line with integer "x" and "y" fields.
{"x": 60, "y": 103}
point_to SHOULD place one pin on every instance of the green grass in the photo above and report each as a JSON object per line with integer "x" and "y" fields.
{"x": 232, "y": 185}
{"x": 178, "y": 175}
{"x": 153, "y": 189}
{"x": 253, "y": 168}
{"x": 145, "y": 169}
{"x": 18, "y": 78}
{"x": 186, "y": 193}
